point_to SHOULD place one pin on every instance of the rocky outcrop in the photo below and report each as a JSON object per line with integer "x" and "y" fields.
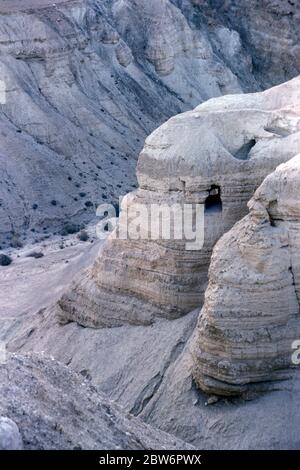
{"x": 251, "y": 315}
{"x": 267, "y": 29}
{"x": 86, "y": 81}
{"x": 214, "y": 156}
{"x": 54, "y": 408}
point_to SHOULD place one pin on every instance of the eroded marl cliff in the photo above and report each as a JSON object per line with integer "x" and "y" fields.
{"x": 86, "y": 81}
{"x": 216, "y": 155}
{"x": 251, "y": 315}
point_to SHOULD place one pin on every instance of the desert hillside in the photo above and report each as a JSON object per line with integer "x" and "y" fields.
{"x": 169, "y": 319}
{"x": 86, "y": 81}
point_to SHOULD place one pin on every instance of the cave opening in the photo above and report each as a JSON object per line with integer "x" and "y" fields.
{"x": 213, "y": 202}
{"x": 244, "y": 152}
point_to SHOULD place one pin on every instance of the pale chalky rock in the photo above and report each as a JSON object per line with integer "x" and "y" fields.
{"x": 10, "y": 437}
{"x": 251, "y": 315}
{"x": 216, "y": 155}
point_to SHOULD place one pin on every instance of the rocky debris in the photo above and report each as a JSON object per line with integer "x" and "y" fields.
{"x": 251, "y": 315}
{"x": 215, "y": 155}
{"x": 123, "y": 54}
{"x": 139, "y": 356}
{"x": 10, "y": 437}
{"x": 149, "y": 373}
{"x": 55, "y": 408}
{"x": 86, "y": 81}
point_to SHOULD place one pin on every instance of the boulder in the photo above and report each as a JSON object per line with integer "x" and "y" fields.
{"x": 10, "y": 437}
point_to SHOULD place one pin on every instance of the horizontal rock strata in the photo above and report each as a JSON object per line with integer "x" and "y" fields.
{"x": 251, "y": 314}
{"x": 215, "y": 155}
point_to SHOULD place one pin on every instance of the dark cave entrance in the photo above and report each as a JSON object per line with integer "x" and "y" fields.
{"x": 244, "y": 152}
{"x": 213, "y": 202}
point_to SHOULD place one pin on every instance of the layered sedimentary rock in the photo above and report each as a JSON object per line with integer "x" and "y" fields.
{"x": 215, "y": 156}
{"x": 147, "y": 370}
{"x": 55, "y": 408}
{"x": 251, "y": 315}
{"x": 82, "y": 82}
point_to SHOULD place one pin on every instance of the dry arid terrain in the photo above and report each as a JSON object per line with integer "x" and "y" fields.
{"x": 8, "y": 6}
{"x": 142, "y": 342}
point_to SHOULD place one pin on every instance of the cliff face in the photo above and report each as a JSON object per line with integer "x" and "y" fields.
{"x": 86, "y": 81}
{"x": 215, "y": 155}
{"x": 251, "y": 317}
{"x": 269, "y": 32}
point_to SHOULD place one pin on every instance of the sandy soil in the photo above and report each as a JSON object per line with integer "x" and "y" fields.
{"x": 30, "y": 284}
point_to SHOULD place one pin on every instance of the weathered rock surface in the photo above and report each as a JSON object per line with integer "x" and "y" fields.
{"x": 215, "y": 155}
{"x": 267, "y": 29}
{"x": 149, "y": 371}
{"x": 55, "y": 408}
{"x": 263, "y": 421}
{"x": 10, "y": 437}
{"x": 86, "y": 81}
{"x": 251, "y": 315}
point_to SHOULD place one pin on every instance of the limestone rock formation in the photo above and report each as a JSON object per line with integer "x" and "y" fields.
{"x": 146, "y": 369}
{"x": 215, "y": 155}
{"x": 10, "y": 437}
{"x": 251, "y": 315}
{"x": 56, "y": 408}
{"x": 82, "y": 82}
